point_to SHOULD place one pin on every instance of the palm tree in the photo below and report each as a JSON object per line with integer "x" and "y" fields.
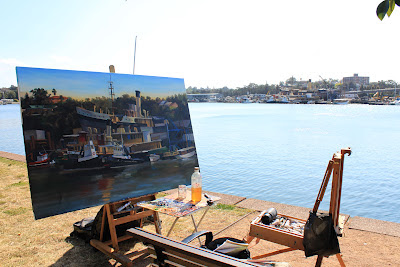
{"x": 54, "y": 91}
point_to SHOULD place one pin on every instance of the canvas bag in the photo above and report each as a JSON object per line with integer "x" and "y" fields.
{"x": 320, "y": 236}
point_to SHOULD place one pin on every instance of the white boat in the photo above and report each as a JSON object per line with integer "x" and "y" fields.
{"x": 89, "y": 152}
{"x": 92, "y": 114}
{"x": 154, "y": 157}
{"x": 340, "y": 101}
{"x": 119, "y": 152}
{"x": 396, "y": 102}
{"x": 186, "y": 152}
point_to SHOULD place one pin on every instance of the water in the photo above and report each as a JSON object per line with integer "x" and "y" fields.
{"x": 11, "y": 138}
{"x": 279, "y": 153}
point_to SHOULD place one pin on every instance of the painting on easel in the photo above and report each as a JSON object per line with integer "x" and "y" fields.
{"x": 93, "y": 138}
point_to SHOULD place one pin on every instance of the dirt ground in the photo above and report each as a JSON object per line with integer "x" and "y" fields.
{"x": 47, "y": 242}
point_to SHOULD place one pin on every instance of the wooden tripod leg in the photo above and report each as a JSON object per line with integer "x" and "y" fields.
{"x": 256, "y": 258}
{"x": 324, "y": 184}
{"x": 111, "y": 225}
{"x": 339, "y": 257}
{"x": 157, "y": 222}
{"x": 333, "y": 207}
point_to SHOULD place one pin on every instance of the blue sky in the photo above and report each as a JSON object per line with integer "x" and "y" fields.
{"x": 208, "y": 43}
{"x": 81, "y": 84}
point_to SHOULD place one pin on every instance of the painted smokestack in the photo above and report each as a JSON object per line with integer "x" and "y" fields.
{"x": 138, "y": 105}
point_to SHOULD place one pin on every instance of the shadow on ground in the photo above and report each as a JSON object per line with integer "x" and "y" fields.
{"x": 83, "y": 254}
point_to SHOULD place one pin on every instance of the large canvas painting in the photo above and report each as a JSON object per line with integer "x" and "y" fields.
{"x": 93, "y": 138}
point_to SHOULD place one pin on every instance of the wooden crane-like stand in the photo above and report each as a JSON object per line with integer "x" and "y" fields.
{"x": 115, "y": 218}
{"x": 295, "y": 241}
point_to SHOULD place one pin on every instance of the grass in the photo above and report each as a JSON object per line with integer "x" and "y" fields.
{"x": 47, "y": 241}
{"x": 225, "y": 206}
{"x": 20, "y": 183}
{"x": 16, "y": 211}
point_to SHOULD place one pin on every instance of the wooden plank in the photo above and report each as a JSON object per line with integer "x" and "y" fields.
{"x": 119, "y": 239}
{"x": 130, "y": 218}
{"x": 125, "y": 261}
{"x": 256, "y": 258}
{"x": 198, "y": 255}
{"x": 111, "y": 226}
{"x": 176, "y": 259}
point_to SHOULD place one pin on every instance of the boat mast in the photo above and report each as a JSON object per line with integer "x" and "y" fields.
{"x": 134, "y": 56}
{"x": 111, "y": 88}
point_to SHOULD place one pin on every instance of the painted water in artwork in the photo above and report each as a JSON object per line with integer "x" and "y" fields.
{"x": 93, "y": 138}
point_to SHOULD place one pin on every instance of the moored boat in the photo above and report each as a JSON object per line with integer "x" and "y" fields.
{"x": 186, "y": 152}
{"x": 340, "y": 101}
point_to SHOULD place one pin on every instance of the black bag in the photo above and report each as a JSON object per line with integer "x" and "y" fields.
{"x": 320, "y": 236}
{"x": 83, "y": 229}
{"x": 244, "y": 254}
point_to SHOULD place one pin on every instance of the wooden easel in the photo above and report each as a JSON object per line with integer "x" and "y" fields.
{"x": 115, "y": 217}
{"x": 295, "y": 241}
{"x": 335, "y": 165}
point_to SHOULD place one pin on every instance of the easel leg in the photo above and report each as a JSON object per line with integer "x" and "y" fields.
{"x": 195, "y": 227}
{"x": 319, "y": 261}
{"x": 111, "y": 225}
{"x": 157, "y": 222}
{"x": 254, "y": 259}
{"x": 202, "y": 217}
{"x": 339, "y": 257}
{"x": 172, "y": 226}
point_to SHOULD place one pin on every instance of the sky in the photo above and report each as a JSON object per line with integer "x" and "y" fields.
{"x": 83, "y": 84}
{"x": 207, "y": 43}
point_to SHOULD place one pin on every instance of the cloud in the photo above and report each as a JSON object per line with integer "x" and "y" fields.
{"x": 13, "y": 62}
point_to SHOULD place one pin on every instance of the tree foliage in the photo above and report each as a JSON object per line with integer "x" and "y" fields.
{"x": 386, "y": 7}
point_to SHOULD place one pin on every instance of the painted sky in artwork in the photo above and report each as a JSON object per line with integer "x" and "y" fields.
{"x": 83, "y": 84}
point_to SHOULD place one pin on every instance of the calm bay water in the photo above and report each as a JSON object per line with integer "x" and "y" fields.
{"x": 280, "y": 152}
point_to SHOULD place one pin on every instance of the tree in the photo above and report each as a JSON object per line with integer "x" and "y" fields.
{"x": 292, "y": 80}
{"x": 54, "y": 91}
{"x": 40, "y": 96}
{"x": 386, "y": 7}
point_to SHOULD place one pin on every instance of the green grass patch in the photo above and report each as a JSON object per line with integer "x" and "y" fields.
{"x": 2, "y": 196}
{"x": 2, "y": 203}
{"x": 225, "y": 206}
{"x": 20, "y": 183}
{"x": 17, "y": 211}
{"x": 10, "y": 162}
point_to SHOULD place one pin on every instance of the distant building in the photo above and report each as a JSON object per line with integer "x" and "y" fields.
{"x": 356, "y": 80}
{"x": 204, "y": 97}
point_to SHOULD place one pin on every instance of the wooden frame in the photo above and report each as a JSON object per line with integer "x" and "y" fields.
{"x": 295, "y": 241}
{"x": 114, "y": 218}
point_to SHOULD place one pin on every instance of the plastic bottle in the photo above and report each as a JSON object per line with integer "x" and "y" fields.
{"x": 196, "y": 185}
